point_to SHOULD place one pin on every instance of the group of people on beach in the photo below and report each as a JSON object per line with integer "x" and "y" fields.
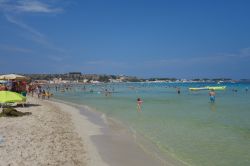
{"x": 39, "y": 91}
{"x": 14, "y": 86}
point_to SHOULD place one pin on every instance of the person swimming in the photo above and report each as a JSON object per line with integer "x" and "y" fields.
{"x": 139, "y": 104}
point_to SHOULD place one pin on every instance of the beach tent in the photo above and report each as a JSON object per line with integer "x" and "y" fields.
{"x": 13, "y": 77}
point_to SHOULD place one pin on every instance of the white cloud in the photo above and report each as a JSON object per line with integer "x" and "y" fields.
{"x": 13, "y": 7}
{"x": 35, "y": 35}
{"x": 43, "y": 41}
{"x": 36, "y": 6}
{"x": 12, "y": 10}
{"x": 23, "y": 26}
{"x": 15, "y": 49}
{"x": 31, "y": 6}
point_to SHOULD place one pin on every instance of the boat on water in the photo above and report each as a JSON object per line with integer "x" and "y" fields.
{"x": 208, "y": 88}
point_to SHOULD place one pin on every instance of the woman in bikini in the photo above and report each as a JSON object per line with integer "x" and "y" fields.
{"x": 139, "y": 104}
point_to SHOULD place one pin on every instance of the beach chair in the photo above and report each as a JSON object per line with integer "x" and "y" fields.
{"x": 23, "y": 103}
{"x": 8, "y": 104}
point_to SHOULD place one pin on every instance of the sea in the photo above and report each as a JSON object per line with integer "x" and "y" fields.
{"x": 186, "y": 127}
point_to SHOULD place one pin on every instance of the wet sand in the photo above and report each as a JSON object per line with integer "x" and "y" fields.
{"x": 115, "y": 145}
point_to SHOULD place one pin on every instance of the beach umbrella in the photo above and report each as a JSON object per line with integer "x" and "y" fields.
{"x": 12, "y": 77}
{"x": 11, "y": 97}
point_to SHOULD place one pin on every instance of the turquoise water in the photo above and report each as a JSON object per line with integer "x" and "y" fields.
{"x": 185, "y": 126}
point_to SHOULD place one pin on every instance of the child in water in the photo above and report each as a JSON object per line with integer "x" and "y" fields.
{"x": 139, "y": 103}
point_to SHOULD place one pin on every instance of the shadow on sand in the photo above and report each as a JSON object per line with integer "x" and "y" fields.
{"x": 12, "y": 112}
{"x": 32, "y": 105}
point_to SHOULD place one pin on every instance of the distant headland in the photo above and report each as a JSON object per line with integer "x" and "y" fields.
{"x": 78, "y": 77}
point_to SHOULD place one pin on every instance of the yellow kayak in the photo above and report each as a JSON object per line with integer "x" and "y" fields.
{"x": 209, "y": 88}
{"x": 216, "y": 87}
{"x": 197, "y": 89}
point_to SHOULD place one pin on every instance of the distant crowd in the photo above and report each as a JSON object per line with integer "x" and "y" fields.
{"x": 23, "y": 88}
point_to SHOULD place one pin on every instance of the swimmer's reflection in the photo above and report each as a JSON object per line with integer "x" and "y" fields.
{"x": 212, "y": 107}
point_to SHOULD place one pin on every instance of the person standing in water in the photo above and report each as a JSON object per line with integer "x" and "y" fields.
{"x": 178, "y": 90}
{"x": 212, "y": 96}
{"x": 139, "y": 104}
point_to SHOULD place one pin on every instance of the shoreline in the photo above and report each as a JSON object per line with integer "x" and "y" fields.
{"x": 62, "y": 133}
{"x": 113, "y": 130}
{"x": 85, "y": 129}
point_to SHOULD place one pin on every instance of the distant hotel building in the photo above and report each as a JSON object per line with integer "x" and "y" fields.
{"x": 74, "y": 75}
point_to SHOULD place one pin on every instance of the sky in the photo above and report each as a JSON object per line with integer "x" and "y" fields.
{"x": 144, "y": 38}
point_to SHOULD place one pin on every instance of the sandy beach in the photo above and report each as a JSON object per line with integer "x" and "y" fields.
{"x": 46, "y": 137}
{"x": 59, "y": 134}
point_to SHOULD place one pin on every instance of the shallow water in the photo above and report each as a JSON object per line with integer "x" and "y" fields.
{"x": 185, "y": 126}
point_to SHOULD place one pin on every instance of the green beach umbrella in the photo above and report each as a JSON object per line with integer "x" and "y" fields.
{"x": 11, "y": 97}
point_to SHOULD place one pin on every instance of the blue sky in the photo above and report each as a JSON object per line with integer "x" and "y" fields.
{"x": 145, "y": 38}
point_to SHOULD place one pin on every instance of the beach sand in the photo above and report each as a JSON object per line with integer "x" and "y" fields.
{"x": 60, "y": 134}
{"x": 47, "y": 137}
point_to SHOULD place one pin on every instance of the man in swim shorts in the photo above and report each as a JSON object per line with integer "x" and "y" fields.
{"x": 212, "y": 96}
